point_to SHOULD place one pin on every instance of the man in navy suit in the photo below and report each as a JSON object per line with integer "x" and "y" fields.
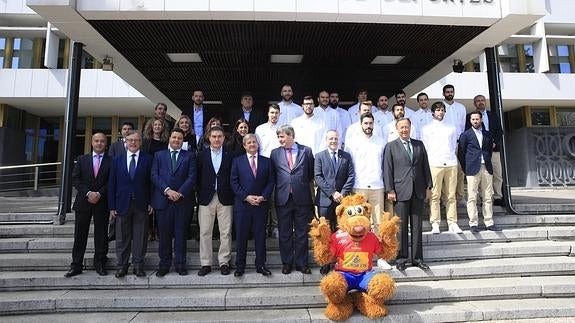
{"x": 174, "y": 179}
{"x": 252, "y": 181}
{"x": 216, "y": 198}
{"x": 407, "y": 180}
{"x": 474, "y": 154}
{"x": 293, "y": 164}
{"x": 253, "y": 116}
{"x": 334, "y": 177}
{"x": 90, "y": 178}
{"x": 129, "y": 203}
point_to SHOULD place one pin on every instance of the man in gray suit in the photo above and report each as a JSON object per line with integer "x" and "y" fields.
{"x": 334, "y": 177}
{"x": 120, "y": 147}
{"x": 407, "y": 179}
{"x": 293, "y": 165}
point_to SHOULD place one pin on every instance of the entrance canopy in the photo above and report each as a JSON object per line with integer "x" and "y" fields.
{"x": 245, "y": 45}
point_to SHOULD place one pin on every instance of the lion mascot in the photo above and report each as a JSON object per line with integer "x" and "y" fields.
{"x": 352, "y": 247}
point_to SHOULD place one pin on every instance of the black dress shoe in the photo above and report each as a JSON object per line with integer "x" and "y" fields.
{"x": 101, "y": 271}
{"x": 264, "y": 271}
{"x": 400, "y": 266}
{"x": 73, "y": 272}
{"x": 324, "y": 270}
{"x": 493, "y": 227}
{"x": 182, "y": 272}
{"x": 225, "y": 269}
{"x": 122, "y": 272}
{"x": 162, "y": 272}
{"x": 303, "y": 270}
{"x": 204, "y": 270}
{"x": 239, "y": 273}
{"x": 499, "y": 202}
{"x": 421, "y": 265}
{"x": 286, "y": 269}
{"x": 139, "y": 272}
{"x": 474, "y": 229}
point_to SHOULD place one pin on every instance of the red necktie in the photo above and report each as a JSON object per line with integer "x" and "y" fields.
{"x": 253, "y": 165}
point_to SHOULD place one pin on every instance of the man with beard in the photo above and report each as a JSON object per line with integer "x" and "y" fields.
{"x": 323, "y": 111}
{"x": 383, "y": 115}
{"x": 354, "y": 110}
{"x": 344, "y": 119}
{"x": 290, "y": 110}
{"x": 198, "y": 114}
{"x": 391, "y": 131}
{"x": 253, "y": 116}
{"x": 355, "y": 129}
{"x": 309, "y": 128}
{"x": 422, "y": 116}
{"x": 400, "y": 98}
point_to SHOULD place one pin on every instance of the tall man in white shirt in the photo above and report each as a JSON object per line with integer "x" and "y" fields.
{"x": 422, "y": 116}
{"x": 401, "y": 99}
{"x": 323, "y": 111}
{"x": 344, "y": 119}
{"x": 455, "y": 114}
{"x": 355, "y": 129}
{"x": 383, "y": 115}
{"x": 309, "y": 128}
{"x": 290, "y": 110}
{"x": 440, "y": 142}
{"x": 354, "y": 111}
{"x": 391, "y": 132}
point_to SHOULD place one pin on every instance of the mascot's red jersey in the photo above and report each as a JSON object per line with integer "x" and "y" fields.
{"x": 354, "y": 256}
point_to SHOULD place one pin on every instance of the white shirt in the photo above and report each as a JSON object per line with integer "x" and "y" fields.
{"x": 310, "y": 131}
{"x": 355, "y": 130}
{"x": 367, "y": 155}
{"x": 255, "y": 159}
{"x": 440, "y": 143}
{"x": 382, "y": 118}
{"x": 267, "y": 138}
{"x": 344, "y": 121}
{"x": 129, "y": 158}
{"x": 353, "y": 112}
{"x": 421, "y": 117}
{"x": 288, "y": 112}
{"x": 479, "y": 136}
{"x": 391, "y": 131}
{"x": 408, "y": 112}
{"x": 330, "y": 118}
{"x": 485, "y": 119}
{"x": 455, "y": 114}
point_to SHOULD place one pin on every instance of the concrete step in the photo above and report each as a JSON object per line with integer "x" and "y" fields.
{"x": 558, "y": 310}
{"x": 468, "y": 251}
{"x": 453, "y": 270}
{"x": 260, "y": 298}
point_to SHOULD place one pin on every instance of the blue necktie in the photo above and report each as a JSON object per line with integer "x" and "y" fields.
{"x": 132, "y": 169}
{"x": 174, "y": 161}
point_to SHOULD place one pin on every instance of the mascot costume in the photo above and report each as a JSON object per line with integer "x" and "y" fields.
{"x": 352, "y": 247}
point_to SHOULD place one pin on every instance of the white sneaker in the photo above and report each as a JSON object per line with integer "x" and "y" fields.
{"x": 275, "y": 233}
{"x": 383, "y": 265}
{"x": 455, "y": 228}
{"x": 435, "y": 228}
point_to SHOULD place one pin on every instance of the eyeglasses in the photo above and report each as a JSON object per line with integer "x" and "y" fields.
{"x": 133, "y": 140}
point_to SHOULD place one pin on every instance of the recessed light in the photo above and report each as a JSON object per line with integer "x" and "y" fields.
{"x": 213, "y": 102}
{"x": 387, "y": 59}
{"x": 185, "y": 57}
{"x": 287, "y": 59}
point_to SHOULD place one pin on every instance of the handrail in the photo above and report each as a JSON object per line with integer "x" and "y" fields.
{"x": 35, "y": 179}
{"x": 29, "y": 165}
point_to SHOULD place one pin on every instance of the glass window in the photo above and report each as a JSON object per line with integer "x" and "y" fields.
{"x": 23, "y": 53}
{"x": 559, "y": 59}
{"x": 2, "y": 47}
{"x": 565, "y": 117}
{"x": 103, "y": 124}
{"x": 529, "y": 65}
{"x": 508, "y": 58}
{"x": 80, "y": 137}
{"x": 540, "y": 117}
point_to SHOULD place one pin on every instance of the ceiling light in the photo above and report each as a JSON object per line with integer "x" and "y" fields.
{"x": 185, "y": 57}
{"x": 287, "y": 59}
{"x": 213, "y": 102}
{"x": 387, "y": 59}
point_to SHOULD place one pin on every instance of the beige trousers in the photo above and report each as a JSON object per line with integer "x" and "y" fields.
{"x": 444, "y": 180}
{"x": 206, "y": 218}
{"x": 480, "y": 182}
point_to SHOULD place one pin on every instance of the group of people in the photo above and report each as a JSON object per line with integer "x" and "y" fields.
{"x": 266, "y": 172}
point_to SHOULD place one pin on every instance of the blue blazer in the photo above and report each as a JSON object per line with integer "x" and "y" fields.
{"x": 299, "y": 178}
{"x": 469, "y": 152}
{"x": 244, "y": 183}
{"x": 182, "y": 179}
{"x": 329, "y": 179}
{"x": 207, "y": 178}
{"x": 121, "y": 186}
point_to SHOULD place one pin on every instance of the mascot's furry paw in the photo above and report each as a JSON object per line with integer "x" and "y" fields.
{"x": 320, "y": 229}
{"x": 381, "y": 287}
{"x": 368, "y": 306}
{"x": 339, "y": 312}
{"x": 339, "y": 304}
{"x": 388, "y": 229}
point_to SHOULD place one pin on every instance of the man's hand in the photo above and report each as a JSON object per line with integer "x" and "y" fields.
{"x": 337, "y": 197}
{"x": 93, "y": 197}
{"x": 173, "y": 195}
{"x": 253, "y": 200}
{"x": 113, "y": 214}
{"x": 391, "y": 196}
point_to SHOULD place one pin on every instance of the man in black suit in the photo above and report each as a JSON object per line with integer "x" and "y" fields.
{"x": 215, "y": 199}
{"x": 90, "y": 178}
{"x": 253, "y": 116}
{"x": 474, "y": 154}
{"x": 252, "y": 180}
{"x": 198, "y": 114}
{"x": 334, "y": 176}
{"x": 119, "y": 147}
{"x": 293, "y": 165}
{"x": 407, "y": 180}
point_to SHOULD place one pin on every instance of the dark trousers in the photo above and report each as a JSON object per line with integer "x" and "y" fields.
{"x": 293, "y": 224}
{"x": 251, "y": 218}
{"x": 131, "y": 228}
{"x": 410, "y": 212}
{"x": 173, "y": 222}
{"x": 81, "y": 231}
{"x": 329, "y": 214}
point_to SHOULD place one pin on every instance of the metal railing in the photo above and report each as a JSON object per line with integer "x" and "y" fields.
{"x": 29, "y": 177}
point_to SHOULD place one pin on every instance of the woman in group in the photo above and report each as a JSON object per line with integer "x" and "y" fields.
{"x": 236, "y": 145}
{"x": 185, "y": 123}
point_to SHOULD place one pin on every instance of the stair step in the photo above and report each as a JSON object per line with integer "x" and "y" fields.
{"x": 455, "y": 270}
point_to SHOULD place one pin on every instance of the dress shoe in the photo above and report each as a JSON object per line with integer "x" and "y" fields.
{"x": 474, "y": 229}
{"x": 493, "y": 227}
{"x": 101, "y": 271}
{"x": 400, "y": 266}
{"x": 182, "y": 272}
{"x": 499, "y": 202}
{"x": 421, "y": 265}
{"x": 264, "y": 271}
{"x": 225, "y": 269}
{"x": 303, "y": 270}
{"x": 73, "y": 272}
{"x": 162, "y": 272}
{"x": 324, "y": 270}
{"x": 239, "y": 273}
{"x": 139, "y": 272}
{"x": 122, "y": 272}
{"x": 286, "y": 269}
{"x": 205, "y": 270}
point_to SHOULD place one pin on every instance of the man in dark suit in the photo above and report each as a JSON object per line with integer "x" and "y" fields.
{"x": 407, "y": 180}
{"x": 293, "y": 165}
{"x": 199, "y": 116}
{"x": 252, "y": 181}
{"x": 90, "y": 178}
{"x": 334, "y": 177}
{"x": 129, "y": 203}
{"x": 119, "y": 147}
{"x": 474, "y": 154}
{"x": 253, "y": 116}
{"x": 174, "y": 179}
{"x": 216, "y": 198}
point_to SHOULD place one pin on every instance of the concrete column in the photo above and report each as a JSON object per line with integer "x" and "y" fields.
{"x": 521, "y": 60}
{"x": 540, "y": 51}
{"x": 572, "y": 57}
{"x": 3, "y": 108}
{"x": 8, "y": 52}
{"x": 37, "y": 51}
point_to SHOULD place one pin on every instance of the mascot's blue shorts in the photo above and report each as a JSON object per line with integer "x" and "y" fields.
{"x": 358, "y": 281}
